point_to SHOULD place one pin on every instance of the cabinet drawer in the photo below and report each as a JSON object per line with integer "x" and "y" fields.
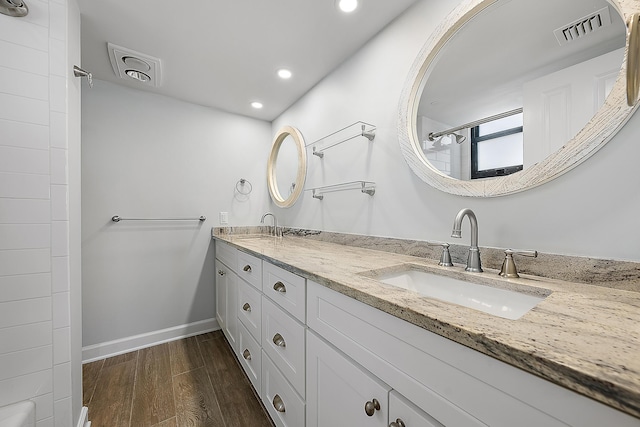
{"x": 250, "y": 309}
{"x": 226, "y": 253}
{"x": 282, "y": 402}
{"x": 410, "y": 415}
{"x": 283, "y": 339}
{"x": 249, "y": 268}
{"x": 250, "y": 356}
{"x": 286, "y": 289}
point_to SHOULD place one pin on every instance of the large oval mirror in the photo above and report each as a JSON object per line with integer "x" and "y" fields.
{"x": 508, "y": 94}
{"x": 287, "y": 167}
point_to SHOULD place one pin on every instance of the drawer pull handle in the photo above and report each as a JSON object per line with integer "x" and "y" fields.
{"x": 280, "y": 287}
{"x": 246, "y": 307}
{"x": 247, "y": 355}
{"x": 220, "y": 272}
{"x": 279, "y": 341}
{"x": 278, "y": 404}
{"x": 247, "y": 268}
{"x": 371, "y": 407}
{"x": 397, "y": 423}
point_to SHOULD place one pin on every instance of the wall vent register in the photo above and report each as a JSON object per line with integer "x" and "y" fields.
{"x": 583, "y": 27}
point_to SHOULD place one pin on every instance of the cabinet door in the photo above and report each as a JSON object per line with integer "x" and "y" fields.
{"x": 404, "y": 413}
{"x": 222, "y": 272}
{"x": 226, "y": 301}
{"x": 338, "y": 390}
{"x": 231, "y": 322}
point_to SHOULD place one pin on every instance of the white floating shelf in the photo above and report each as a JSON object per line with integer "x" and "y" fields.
{"x": 345, "y": 134}
{"x": 366, "y": 187}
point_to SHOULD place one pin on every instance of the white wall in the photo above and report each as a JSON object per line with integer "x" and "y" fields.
{"x": 149, "y": 156}
{"x": 38, "y": 104}
{"x": 589, "y": 211}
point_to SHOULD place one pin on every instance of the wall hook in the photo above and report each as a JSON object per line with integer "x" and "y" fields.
{"x": 15, "y": 8}
{"x": 79, "y": 72}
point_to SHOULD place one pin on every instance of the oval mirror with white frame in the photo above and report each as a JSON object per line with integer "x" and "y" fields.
{"x": 509, "y": 94}
{"x": 287, "y": 167}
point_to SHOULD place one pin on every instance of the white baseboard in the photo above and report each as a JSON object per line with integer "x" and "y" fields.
{"x": 136, "y": 342}
{"x": 83, "y": 420}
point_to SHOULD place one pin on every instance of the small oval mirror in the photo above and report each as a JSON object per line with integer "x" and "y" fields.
{"x": 287, "y": 167}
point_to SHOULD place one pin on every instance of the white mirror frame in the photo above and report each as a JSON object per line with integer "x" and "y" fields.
{"x": 272, "y": 181}
{"x": 601, "y": 128}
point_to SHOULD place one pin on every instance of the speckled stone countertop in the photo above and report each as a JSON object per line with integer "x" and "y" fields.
{"x": 581, "y": 336}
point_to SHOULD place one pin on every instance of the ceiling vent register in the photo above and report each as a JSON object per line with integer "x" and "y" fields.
{"x": 131, "y": 65}
{"x": 583, "y": 27}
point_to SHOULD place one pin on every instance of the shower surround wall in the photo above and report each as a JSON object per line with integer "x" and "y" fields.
{"x": 150, "y": 156}
{"x": 589, "y": 211}
{"x": 39, "y": 239}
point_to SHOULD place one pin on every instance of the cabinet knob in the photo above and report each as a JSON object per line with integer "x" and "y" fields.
{"x": 280, "y": 287}
{"x": 279, "y": 341}
{"x": 371, "y": 407}
{"x": 220, "y": 272}
{"x": 246, "y": 354}
{"x": 246, "y": 307}
{"x": 247, "y": 268}
{"x": 397, "y": 423}
{"x": 278, "y": 404}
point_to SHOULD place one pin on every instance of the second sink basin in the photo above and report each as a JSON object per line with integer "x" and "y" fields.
{"x": 504, "y": 303}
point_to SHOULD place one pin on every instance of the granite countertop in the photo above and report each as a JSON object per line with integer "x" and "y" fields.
{"x": 583, "y": 337}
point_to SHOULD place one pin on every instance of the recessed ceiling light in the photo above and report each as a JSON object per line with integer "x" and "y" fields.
{"x": 283, "y": 73}
{"x": 256, "y": 104}
{"x": 347, "y": 6}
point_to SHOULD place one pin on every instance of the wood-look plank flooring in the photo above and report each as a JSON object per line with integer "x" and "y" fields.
{"x": 192, "y": 382}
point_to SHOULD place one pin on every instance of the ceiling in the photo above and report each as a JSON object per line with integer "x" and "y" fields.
{"x": 225, "y": 54}
{"x": 482, "y": 69}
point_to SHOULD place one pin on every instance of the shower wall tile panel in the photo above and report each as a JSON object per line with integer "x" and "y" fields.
{"x": 16, "y": 82}
{"x": 44, "y": 406}
{"x": 24, "y": 236}
{"x": 34, "y": 213}
{"x": 24, "y": 211}
{"x": 24, "y": 160}
{"x": 24, "y": 337}
{"x": 24, "y": 135}
{"x": 21, "y": 109}
{"x": 28, "y": 261}
{"x": 22, "y": 287}
{"x": 25, "y": 186}
{"x": 29, "y": 60}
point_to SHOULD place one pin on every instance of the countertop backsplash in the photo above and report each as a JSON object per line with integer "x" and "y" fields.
{"x": 623, "y": 275}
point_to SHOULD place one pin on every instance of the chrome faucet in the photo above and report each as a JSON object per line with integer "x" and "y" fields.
{"x": 275, "y": 222}
{"x": 473, "y": 260}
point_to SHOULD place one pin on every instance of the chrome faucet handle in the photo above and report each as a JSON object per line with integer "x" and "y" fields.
{"x": 445, "y": 258}
{"x": 509, "y": 266}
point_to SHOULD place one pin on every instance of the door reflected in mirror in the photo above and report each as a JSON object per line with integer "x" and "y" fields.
{"x": 548, "y": 65}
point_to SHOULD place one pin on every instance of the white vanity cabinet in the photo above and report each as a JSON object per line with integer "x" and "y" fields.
{"x": 317, "y": 357}
{"x": 261, "y": 309}
{"x": 452, "y": 384}
{"x": 340, "y": 393}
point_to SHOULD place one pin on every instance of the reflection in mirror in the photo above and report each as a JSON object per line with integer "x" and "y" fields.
{"x": 516, "y": 83}
{"x": 287, "y": 167}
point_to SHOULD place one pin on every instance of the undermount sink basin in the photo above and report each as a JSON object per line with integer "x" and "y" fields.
{"x": 504, "y": 303}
